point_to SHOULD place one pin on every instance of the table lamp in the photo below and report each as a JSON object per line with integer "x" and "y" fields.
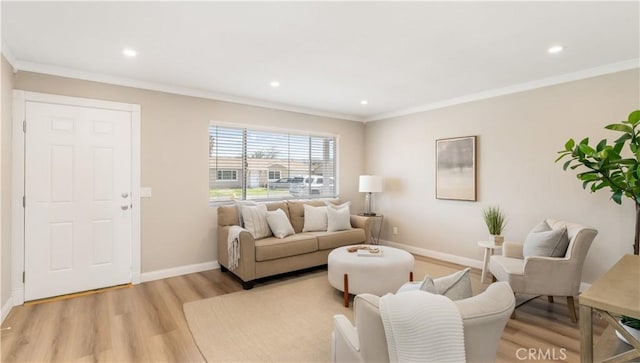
{"x": 370, "y": 184}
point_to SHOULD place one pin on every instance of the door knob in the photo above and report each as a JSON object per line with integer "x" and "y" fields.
{"x": 124, "y": 195}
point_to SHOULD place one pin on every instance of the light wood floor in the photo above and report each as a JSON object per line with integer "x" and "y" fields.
{"x": 145, "y": 323}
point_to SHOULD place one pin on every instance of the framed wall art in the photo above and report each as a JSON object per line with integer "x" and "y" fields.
{"x": 456, "y": 168}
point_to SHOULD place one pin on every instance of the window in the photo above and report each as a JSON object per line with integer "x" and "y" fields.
{"x": 227, "y": 175}
{"x": 248, "y": 164}
{"x": 274, "y": 174}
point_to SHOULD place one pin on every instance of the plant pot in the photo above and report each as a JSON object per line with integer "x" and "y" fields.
{"x": 498, "y": 240}
{"x": 634, "y": 332}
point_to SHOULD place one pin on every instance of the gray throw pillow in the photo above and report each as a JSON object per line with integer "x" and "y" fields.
{"x": 547, "y": 242}
{"x": 456, "y": 286}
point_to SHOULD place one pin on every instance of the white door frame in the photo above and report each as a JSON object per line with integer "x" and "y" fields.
{"x": 17, "y": 190}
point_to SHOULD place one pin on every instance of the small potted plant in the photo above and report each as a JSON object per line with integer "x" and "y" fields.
{"x": 496, "y": 221}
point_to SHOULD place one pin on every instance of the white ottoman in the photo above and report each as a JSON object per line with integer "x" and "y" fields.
{"x": 376, "y": 275}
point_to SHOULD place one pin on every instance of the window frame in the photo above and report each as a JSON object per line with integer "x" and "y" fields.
{"x": 235, "y": 173}
{"x": 274, "y": 171}
{"x": 292, "y": 132}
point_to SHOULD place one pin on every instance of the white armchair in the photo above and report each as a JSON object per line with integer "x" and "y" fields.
{"x": 484, "y": 317}
{"x": 551, "y": 276}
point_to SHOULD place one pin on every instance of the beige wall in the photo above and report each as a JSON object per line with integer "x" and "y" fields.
{"x": 178, "y": 226}
{"x": 5, "y": 182}
{"x": 518, "y": 136}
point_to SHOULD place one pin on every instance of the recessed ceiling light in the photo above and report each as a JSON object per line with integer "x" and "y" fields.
{"x": 129, "y": 52}
{"x": 275, "y": 84}
{"x": 555, "y": 49}
{"x": 364, "y": 102}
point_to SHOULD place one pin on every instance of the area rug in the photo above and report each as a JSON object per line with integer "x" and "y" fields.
{"x": 288, "y": 321}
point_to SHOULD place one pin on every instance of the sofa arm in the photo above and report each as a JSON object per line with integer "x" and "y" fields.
{"x": 344, "y": 341}
{"x": 371, "y": 336}
{"x": 345, "y": 330}
{"x": 512, "y": 249}
{"x": 555, "y": 276}
{"x": 246, "y": 269}
{"x": 364, "y": 223}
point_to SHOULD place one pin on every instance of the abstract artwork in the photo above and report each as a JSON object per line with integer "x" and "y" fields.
{"x": 456, "y": 168}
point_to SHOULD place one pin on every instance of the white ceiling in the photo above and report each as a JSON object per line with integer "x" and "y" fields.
{"x": 327, "y": 56}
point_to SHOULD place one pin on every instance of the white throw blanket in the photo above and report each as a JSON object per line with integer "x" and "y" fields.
{"x": 422, "y": 327}
{"x": 233, "y": 246}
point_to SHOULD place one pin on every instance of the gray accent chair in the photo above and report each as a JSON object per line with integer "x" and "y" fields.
{"x": 550, "y": 276}
{"x": 484, "y": 317}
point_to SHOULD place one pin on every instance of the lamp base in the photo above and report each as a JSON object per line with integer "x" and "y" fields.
{"x": 368, "y": 211}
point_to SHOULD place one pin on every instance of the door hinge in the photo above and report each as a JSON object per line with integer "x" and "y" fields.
{"x": 23, "y": 277}
{"x": 24, "y": 126}
{"x": 24, "y": 202}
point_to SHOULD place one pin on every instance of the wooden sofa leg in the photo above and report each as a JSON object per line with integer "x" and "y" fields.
{"x": 550, "y": 299}
{"x": 493, "y": 278}
{"x": 247, "y": 285}
{"x": 572, "y": 309}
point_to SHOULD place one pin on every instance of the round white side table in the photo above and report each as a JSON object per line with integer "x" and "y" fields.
{"x": 488, "y": 246}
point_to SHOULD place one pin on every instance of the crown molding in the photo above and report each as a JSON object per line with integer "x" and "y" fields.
{"x": 550, "y": 81}
{"x": 130, "y": 82}
{"x": 8, "y": 55}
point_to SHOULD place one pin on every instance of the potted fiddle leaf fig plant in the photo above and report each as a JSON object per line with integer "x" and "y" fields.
{"x": 496, "y": 221}
{"x": 613, "y": 166}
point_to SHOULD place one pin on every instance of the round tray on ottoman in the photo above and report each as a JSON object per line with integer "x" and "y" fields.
{"x": 355, "y": 273}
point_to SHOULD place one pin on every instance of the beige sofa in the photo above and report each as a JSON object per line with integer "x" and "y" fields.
{"x": 272, "y": 256}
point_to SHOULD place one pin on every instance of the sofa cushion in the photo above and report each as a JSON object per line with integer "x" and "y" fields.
{"x": 273, "y": 206}
{"x": 508, "y": 269}
{"x": 331, "y": 240}
{"x": 227, "y": 215}
{"x": 272, "y": 248}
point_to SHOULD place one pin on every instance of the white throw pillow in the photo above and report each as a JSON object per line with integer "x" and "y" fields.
{"x": 337, "y": 206}
{"x": 279, "y": 223}
{"x": 338, "y": 219}
{"x": 255, "y": 220}
{"x": 315, "y": 219}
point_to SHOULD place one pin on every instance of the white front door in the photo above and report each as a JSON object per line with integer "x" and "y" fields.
{"x": 78, "y": 196}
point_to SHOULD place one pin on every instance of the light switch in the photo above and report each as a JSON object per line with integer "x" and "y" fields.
{"x": 145, "y": 192}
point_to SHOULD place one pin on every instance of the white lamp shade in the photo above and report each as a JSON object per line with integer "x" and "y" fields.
{"x": 370, "y": 184}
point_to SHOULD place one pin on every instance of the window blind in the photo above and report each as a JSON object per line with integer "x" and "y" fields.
{"x": 248, "y": 164}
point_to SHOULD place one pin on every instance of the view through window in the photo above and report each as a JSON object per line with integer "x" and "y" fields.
{"x": 247, "y": 164}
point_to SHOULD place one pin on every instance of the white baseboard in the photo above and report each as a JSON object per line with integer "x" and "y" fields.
{"x": 6, "y": 309}
{"x": 17, "y": 296}
{"x": 177, "y": 271}
{"x": 464, "y": 261}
